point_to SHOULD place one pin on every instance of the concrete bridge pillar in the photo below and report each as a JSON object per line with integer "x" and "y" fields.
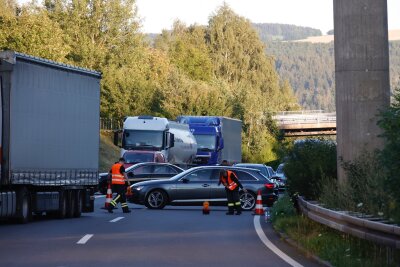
{"x": 361, "y": 73}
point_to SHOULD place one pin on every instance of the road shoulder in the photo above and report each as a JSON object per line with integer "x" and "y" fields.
{"x": 301, "y": 256}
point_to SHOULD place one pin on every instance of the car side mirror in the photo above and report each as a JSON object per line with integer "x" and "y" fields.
{"x": 118, "y": 138}
{"x": 185, "y": 180}
{"x": 172, "y": 140}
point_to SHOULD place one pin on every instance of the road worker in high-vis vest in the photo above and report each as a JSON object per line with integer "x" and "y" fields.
{"x": 230, "y": 181}
{"x": 119, "y": 181}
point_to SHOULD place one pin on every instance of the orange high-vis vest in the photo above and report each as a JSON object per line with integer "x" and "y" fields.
{"x": 117, "y": 177}
{"x": 231, "y": 184}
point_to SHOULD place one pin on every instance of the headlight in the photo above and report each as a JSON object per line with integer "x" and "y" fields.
{"x": 138, "y": 188}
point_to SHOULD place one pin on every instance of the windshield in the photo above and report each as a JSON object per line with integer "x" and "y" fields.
{"x": 180, "y": 175}
{"x": 205, "y": 142}
{"x": 138, "y": 157}
{"x": 138, "y": 139}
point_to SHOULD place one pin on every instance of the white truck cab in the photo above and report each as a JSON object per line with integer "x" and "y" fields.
{"x": 147, "y": 133}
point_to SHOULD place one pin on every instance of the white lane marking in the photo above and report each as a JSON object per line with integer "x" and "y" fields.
{"x": 271, "y": 246}
{"x": 84, "y": 239}
{"x": 99, "y": 196}
{"x": 117, "y": 219}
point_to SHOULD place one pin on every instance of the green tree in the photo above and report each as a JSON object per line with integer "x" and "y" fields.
{"x": 310, "y": 164}
{"x": 104, "y": 35}
{"x": 187, "y": 49}
{"x": 32, "y": 31}
{"x": 239, "y": 58}
{"x": 390, "y": 156}
{"x": 8, "y": 9}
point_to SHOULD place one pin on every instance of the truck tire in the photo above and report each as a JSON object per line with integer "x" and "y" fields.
{"x": 62, "y": 208}
{"x": 24, "y": 212}
{"x": 78, "y": 204}
{"x": 71, "y": 203}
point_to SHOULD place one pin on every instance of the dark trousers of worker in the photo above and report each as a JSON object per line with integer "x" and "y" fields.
{"x": 233, "y": 201}
{"x": 120, "y": 189}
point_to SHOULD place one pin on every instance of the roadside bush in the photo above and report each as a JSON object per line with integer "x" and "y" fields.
{"x": 310, "y": 162}
{"x": 283, "y": 207}
{"x": 335, "y": 247}
{"x": 390, "y": 155}
{"x": 364, "y": 191}
{"x": 373, "y": 180}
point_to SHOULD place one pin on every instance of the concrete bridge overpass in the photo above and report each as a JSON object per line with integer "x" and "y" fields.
{"x": 306, "y": 122}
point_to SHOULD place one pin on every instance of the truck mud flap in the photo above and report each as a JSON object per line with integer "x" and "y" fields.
{"x": 88, "y": 200}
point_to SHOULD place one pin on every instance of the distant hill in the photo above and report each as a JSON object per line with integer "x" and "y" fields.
{"x": 394, "y": 35}
{"x": 310, "y": 69}
{"x": 284, "y": 32}
{"x": 305, "y": 58}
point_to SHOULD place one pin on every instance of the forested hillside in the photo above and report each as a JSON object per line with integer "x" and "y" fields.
{"x": 284, "y": 32}
{"x": 310, "y": 70}
{"x": 217, "y": 69}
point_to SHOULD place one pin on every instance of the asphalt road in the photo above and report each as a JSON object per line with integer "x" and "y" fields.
{"x": 175, "y": 236}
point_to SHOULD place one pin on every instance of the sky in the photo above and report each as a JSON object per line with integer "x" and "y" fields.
{"x": 160, "y": 14}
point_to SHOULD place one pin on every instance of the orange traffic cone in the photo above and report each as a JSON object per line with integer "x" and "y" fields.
{"x": 206, "y": 208}
{"x": 259, "y": 206}
{"x": 108, "y": 196}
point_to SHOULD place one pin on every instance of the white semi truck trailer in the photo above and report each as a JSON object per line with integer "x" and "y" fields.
{"x": 49, "y": 137}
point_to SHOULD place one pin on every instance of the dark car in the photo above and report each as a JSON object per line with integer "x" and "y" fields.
{"x": 280, "y": 176}
{"x": 133, "y": 157}
{"x": 143, "y": 172}
{"x": 264, "y": 169}
{"x": 199, "y": 184}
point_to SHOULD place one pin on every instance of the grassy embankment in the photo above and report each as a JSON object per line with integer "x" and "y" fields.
{"x": 330, "y": 245}
{"x": 109, "y": 153}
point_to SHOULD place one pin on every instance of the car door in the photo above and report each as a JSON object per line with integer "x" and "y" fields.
{"x": 194, "y": 186}
{"x": 217, "y": 192}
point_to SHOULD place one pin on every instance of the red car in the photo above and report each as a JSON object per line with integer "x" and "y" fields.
{"x": 137, "y": 156}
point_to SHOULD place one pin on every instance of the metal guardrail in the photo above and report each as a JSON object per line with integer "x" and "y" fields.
{"x": 375, "y": 231}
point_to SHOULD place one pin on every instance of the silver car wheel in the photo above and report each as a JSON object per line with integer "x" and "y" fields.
{"x": 155, "y": 199}
{"x": 248, "y": 201}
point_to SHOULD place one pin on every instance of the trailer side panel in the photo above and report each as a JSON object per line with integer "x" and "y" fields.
{"x": 232, "y": 134}
{"x": 54, "y": 129}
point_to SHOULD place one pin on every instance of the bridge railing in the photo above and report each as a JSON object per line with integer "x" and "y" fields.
{"x": 298, "y": 112}
{"x": 305, "y": 118}
{"x": 368, "y": 228}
